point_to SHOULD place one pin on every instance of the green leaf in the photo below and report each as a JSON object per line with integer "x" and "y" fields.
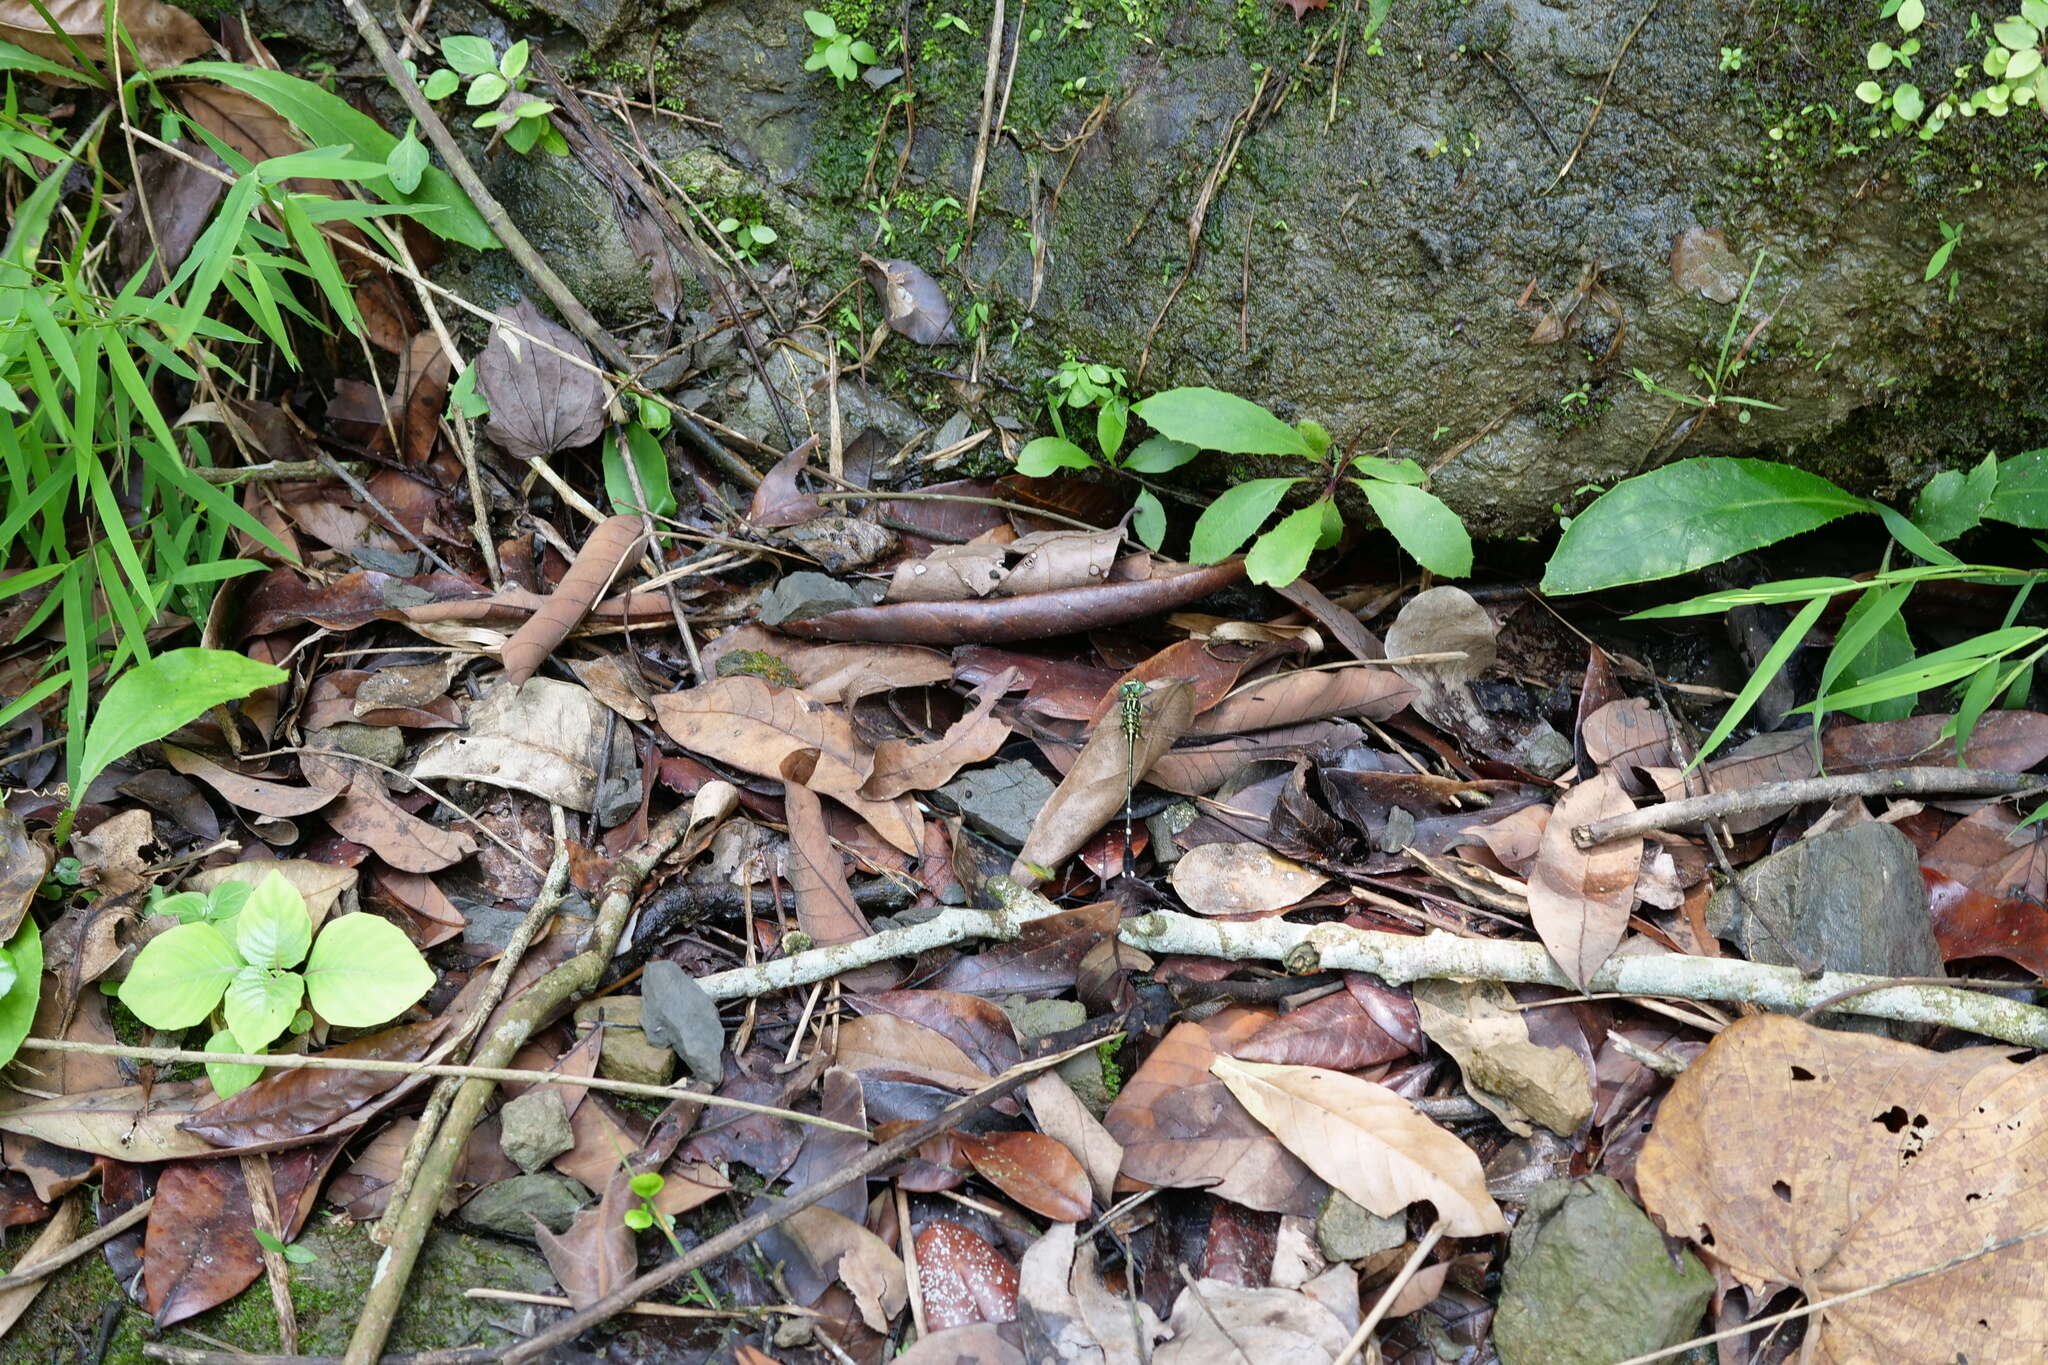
{"x": 1282, "y": 553}
{"x": 9, "y": 973}
{"x": 1159, "y": 454}
{"x": 1907, "y": 103}
{"x": 407, "y": 163}
{"x": 1227, "y": 523}
{"x": 179, "y": 976}
{"x": 1393, "y": 471}
{"x": 273, "y": 928}
{"x": 513, "y": 64}
{"x": 1333, "y": 525}
{"x": 1767, "y": 669}
{"x": 187, "y": 907}
{"x": 469, "y": 54}
{"x": 1050, "y": 453}
{"x": 1148, "y": 519}
{"x": 651, "y": 462}
{"x": 18, "y": 1005}
{"x": 1686, "y": 516}
{"x": 1936, "y": 669}
{"x": 1873, "y": 640}
{"x": 820, "y": 23}
{"x": 1214, "y": 420}
{"x": 647, "y": 1184}
{"x": 225, "y": 902}
{"x": 260, "y": 1004}
{"x": 1953, "y": 502}
{"x": 637, "y": 1219}
{"x": 152, "y": 699}
{"x": 1912, "y": 14}
{"x": 1112, "y": 419}
{"x": 488, "y": 88}
{"x": 2022, "y": 495}
{"x": 463, "y": 397}
{"x": 364, "y": 971}
{"x": 230, "y": 1078}
{"x": 2016, "y": 33}
{"x": 1423, "y": 526}
{"x": 440, "y": 86}
{"x": 1879, "y": 57}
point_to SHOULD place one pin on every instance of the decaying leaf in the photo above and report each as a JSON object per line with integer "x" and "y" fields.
{"x": 23, "y": 865}
{"x": 1241, "y": 879}
{"x": 1292, "y": 698}
{"x": 963, "y": 1278}
{"x": 862, "y": 1261}
{"x": 610, "y": 547}
{"x": 1094, "y": 789}
{"x": 825, "y": 908}
{"x": 902, "y": 766}
{"x": 890, "y": 1043}
{"x": 1836, "y": 1161}
{"x": 1366, "y": 1141}
{"x": 1504, "y": 1069}
{"x": 162, "y": 35}
{"x": 541, "y": 401}
{"x": 1580, "y": 898}
{"x": 1214, "y": 1320}
{"x": 1033, "y": 1169}
{"x": 912, "y": 301}
{"x": 545, "y": 737}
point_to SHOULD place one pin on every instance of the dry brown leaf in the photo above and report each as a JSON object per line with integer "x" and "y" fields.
{"x": 1629, "y": 732}
{"x": 1095, "y": 788}
{"x": 912, "y": 301}
{"x": 616, "y": 685}
{"x": 162, "y": 35}
{"x": 1366, "y": 1141}
{"x": 274, "y": 799}
{"x": 369, "y": 816}
{"x": 861, "y": 1260}
{"x": 1215, "y": 1321}
{"x": 544, "y": 736}
{"x": 755, "y": 726}
{"x": 1061, "y": 1115}
{"x": 778, "y": 502}
{"x": 840, "y": 672}
{"x": 1780, "y": 757}
{"x": 950, "y": 573}
{"x": 889, "y": 1042}
{"x": 1201, "y": 768}
{"x": 541, "y": 402}
{"x": 1181, "y": 1128}
{"x": 110, "y": 856}
{"x": 23, "y": 865}
{"x": 1516, "y": 838}
{"x": 1292, "y": 698}
{"x": 1337, "y": 1031}
{"x": 611, "y": 546}
{"x": 1504, "y": 1069}
{"x": 55, "y": 1236}
{"x": 1035, "y": 1170}
{"x": 1060, "y": 559}
{"x": 825, "y": 907}
{"x": 1836, "y": 1161}
{"x": 1240, "y": 879}
{"x": 1580, "y": 898}
{"x": 125, "y": 1122}
{"x": 596, "y": 1255}
{"x": 902, "y": 766}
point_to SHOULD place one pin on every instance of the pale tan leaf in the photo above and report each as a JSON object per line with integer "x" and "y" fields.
{"x": 1504, "y": 1069}
{"x": 839, "y": 672}
{"x": 1310, "y": 694}
{"x": 1580, "y": 898}
{"x": 1096, "y": 787}
{"x": 1838, "y": 1161}
{"x": 902, "y": 766}
{"x": 889, "y": 1042}
{"x": 1060, "y": 559}
{"x": 162, "y": 35}
{"x": 1629, "y": 732}
{"x": 861, "y": 1260}
{"x": 1215, "y": 1322}
{"x": 55, "y": 1236}
{"x": 1061, "y": 1115}
{"x": 1240, "y": 879}
{"x": 1366, "y": 1141}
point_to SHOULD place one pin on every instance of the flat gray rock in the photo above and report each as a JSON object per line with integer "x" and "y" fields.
{"x": 510, "y": 1206}
{"x": 1001, "y": 800}
{"x": 1850, "y": 899}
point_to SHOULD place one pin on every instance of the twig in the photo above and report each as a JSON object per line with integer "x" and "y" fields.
{"x": 22, "y": 1276}
{"x": 988, "y": 109}
{"x": 1599, "y": 101}
{"x": 271, "y": 471}
{"x": 879, "y": 1157}
{"x": 1522, "y": 100}
{"x": 362, "y": 490}
{"x": 650, "y": 1310}
{"x": 1896, "y": 782}
{"x": 292, "y": 1061}
{"x": 1400, "y": 958}
{"x": 525, "y": 1014}
{"x": 1390, "y": 1293}
{"x": 542, "y": 910}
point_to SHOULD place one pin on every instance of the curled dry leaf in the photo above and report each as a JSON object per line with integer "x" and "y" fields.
{"x": 825, "y": 907}
{"x": 902, "y": 767}
{"x": 1504, "y": 1068}
{"x": 1035, "y": 1170}
{"x": 1042, "y": 960}
{"x": 1060, "y": 559}
{"x": 1095, "y": 788}
{"x": 161, "y": 35}
{"x": 891, "y": 1043}
{"x": 545, "y": 737}
{"x": 778, "y": 502}
{"x": 951, "y": 573}
{"x": 1836, "y": 1161}
{"x": 273, "y": 799}
{"x": 1291, "y": 698}
{"x": 841, "y": 672}
{"x": 1780, "y": 757}
{"x": 596, "y": 1255}
{"x": 23, "y": 865}
{"x": 1629, "y": 732}
{"x": 290, "y": 1104}
{"x": 1580, "y": 898}
{"x": 1241, "y": 879}
{"x": 542, "y": 401}
{"x": 912, "y": 301}
{"x": 862, "y": 1261}
{"x": 1366, "y": 1141}
{"x": 963, "y": 1278}
{"x": 1336, "y": 1032}
{"x": 609, "y": 549}
{"x": 369, "y": 816}
{"x": 1062, "y": 1116}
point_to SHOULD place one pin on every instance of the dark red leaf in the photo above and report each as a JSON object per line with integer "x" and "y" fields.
{"x": 1033, "y": 1169}
{"x": 1042, "y": 960}
{"x": 292, "y": 1104}
{"x": 201, "y": 1248}
{"x": 1968, "y": 923}
{"x": 964, "y": 1279}
{"x": 1335, "y": 1032}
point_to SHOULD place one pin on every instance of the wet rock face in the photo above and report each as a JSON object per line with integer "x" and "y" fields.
{"x": 1384, "y": 270}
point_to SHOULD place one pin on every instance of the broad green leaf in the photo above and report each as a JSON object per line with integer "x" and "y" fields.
{"x": 1333, "y": 525}
{"x": 1282, "y": 553}
{"x": 230, "y": 1077}
{"x": 1148, "y": 519}
{"x": 152, "y": 699}
{"x": 1938, "y": 260}
{"x": 18, "y": 1005}
{"x": 2022, "y": 495}
{"x": 441, "y": 85}
{"x": 273, "y": 928}
{"x": 1767, "y": 668}
{"x": 1049, "y": 454}
{"x": 2016, "y": 33}
{"x": 820, "y": 23}
{"x": 187, "y": 907}
{"x": 1953, "y": 502}
{"x": 327, "y": 120}
{"x": 1686, "y": 516}
{"x": 649, "y": 460}
{"x": 1393, "y": 471}
{"x": 488, "y": 88}
{"x": 1873, "y": 640}
{"x": 225, "y": 902}
{"x": 260, "y": 1004}
{"x": 1215, "y": 420}
{"x": 469, "y": 54}
{"x": 1422, "y": 524}
{"x": 1912, "y": 14}
{"x": 1227, "y": 523}
{"x": 1112, "y": 419}
{"x": 407, "y": 162}
{"x": 513, "y": 64}
{"x": 1159, "y": 454}
{"x": 364, "y": 971}
{"x": 179, "y": 976}
{"x": 1908, "y": 103}
{"x": 9, "y": 973}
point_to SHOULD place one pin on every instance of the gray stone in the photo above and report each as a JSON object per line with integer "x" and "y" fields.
{"x": 510, "y": 1206}
{"x": 1035, "y": 1019}
{"x": 1850, "y": 899}
{"x": 1348, "y": 1231}
{"x": 798, "y": 596}
{"x": 1001, "y": 800}
{"x": 534, "y": 1129}
{"x": 1589, "y": 1281}
{"x": 379, "y": 743}
{"x": 625, "y": 1054}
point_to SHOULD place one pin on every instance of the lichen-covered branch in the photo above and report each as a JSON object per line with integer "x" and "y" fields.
{"x": 1400, "y": 958}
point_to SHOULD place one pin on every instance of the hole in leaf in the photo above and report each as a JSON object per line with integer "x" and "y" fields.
{"x": 1800, "y": 1073}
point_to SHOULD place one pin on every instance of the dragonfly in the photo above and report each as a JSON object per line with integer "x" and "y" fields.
{"x": 1130, "y": 716}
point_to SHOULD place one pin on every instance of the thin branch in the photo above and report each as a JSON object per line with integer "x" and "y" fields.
{"x": 1896, "y": 782}
{"x": 22, "y": 1276}
{"x": 1390, "y": 1293}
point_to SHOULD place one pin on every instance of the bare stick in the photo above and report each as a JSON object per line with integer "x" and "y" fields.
{"x": 1401, "y": 958}
{"x": 21, "y": 1276}
{"x": 1896, "y": 782}
{"x": 988, "y": 107}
